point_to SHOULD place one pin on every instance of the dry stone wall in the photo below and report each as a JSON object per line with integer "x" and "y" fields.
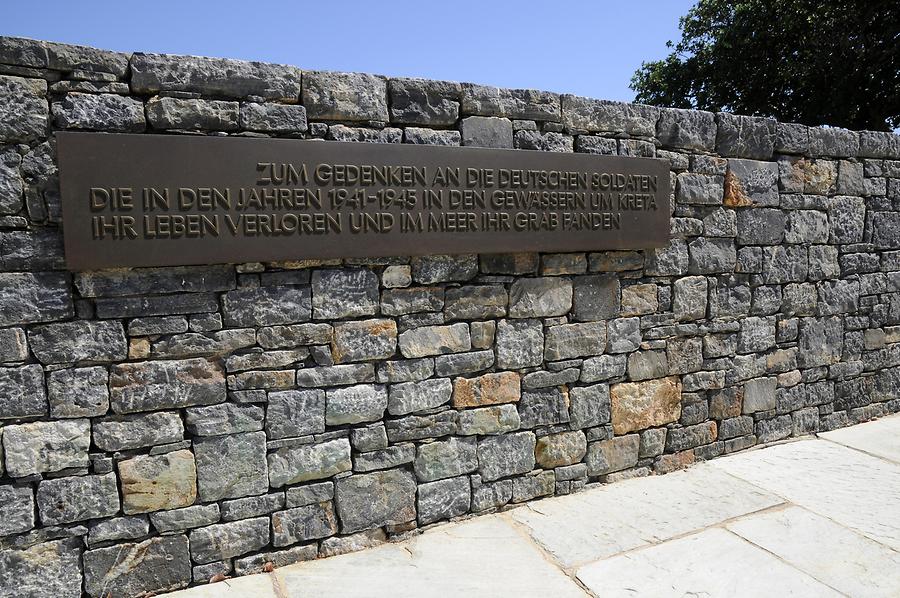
{"x": 164, "y": 426}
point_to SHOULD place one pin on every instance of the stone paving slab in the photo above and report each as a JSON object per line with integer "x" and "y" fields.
{"x": 834, "y": 555}
{"x": 249, "y": 586}
{"x": 880, "y": 438}
{"x": 481, "y": 557}
{"x": 599, "y": 523}
{"x": 853, "y": 489}
{"x": 713, "y": 563}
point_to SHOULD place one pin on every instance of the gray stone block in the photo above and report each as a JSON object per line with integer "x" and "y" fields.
{"x": 496, "y": 419}
{"x": 445, "y": 459}
{"x": 444, "y": 268}
{"x": 22, "y": 392}
{"x": 193, "y": 114}
{"x": 487, "y": 131}
{"x": 231, "y": 466}
{"x": 185, "y": 518}
{"x": 302, "y": 524}
{"x": 745, "y": 136}
{"x": 291, "y": 465}
{"x": 543, "y": 407}
{"x": 344, "y": 293}
{"x": 152, "y": 73}
{"x": 596, "y": 297}
{"x": 686, "y": 129}
{"x": 574, "y": 340}
{"x": 100, "y": 112}
{"x": 266, "y": 306}
{"x": 587, "y": 114}
{"x": 418, "y": 396}
{"x": 41, "y": 447}
{"x": 520, "y": 343}
{"x": 308, "y": 494}
{"x": 224, "y": 418}
{"x": 273, "y": 118}
{"x": 43, "y": 569}
{"x": 152, "y": 385}
{"x": 335, "y": 375}
{"x": 29, "y": 297}
{"x": 443, "y": 499}
{"x": 355, "y": 404}
{"x": 295, "y": 413}
{"x": 345, "y": 96}
{"x": 125, "y": 432}
{"x": 370, "y": 500}
{"x": 226, "y": 540}
{"x": 505, "y": 455}
{"x": 16, "y": 510}
{"x": 424, "y": 102}
{"x": 65, "y": 500}
{"x": 155, "y": 565}
{"x": 23, "y": 109}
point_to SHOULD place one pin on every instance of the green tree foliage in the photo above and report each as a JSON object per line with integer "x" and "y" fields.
{"x": 834, "y": 62}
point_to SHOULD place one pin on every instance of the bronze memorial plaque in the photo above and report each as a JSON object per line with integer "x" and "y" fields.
{"x": 161, "y": 200}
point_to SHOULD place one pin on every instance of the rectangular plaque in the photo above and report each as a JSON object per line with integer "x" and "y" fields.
{"x": 161, "y": 200}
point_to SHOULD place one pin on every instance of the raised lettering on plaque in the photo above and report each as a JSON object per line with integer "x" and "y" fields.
{"x": 159, "y": 200}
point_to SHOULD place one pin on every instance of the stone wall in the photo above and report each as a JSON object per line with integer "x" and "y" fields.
{"x": 163, "y": 426}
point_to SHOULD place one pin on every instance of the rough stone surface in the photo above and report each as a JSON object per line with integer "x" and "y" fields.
{"x": 344, "y": 294}
{"x": 231, "y": 466}
{"x": 16, "y": 509}
{"x": 291, "y": 465}
{"x": 489, "y": 389}
{"x": 226, "y": 540}
{"x": 152, "y": 73}
{"x": 24, "y": 113}
{"x": 300, "y": 524}
{"x": 64, "y": 500}
{"x": 445, "y": 459}
{"x": 539, "y": 297}
{"x": 505, "y": 455}
{"x": 519, "y": 343}
{"x": 78, "y": 392}
{"x": 559, "y": 450}
{"x": 154, "y": 565}
{"x": 295, "y": 413}
{"x": 364, "y": 340}
{"x": 139, "y": 430}
{"x": 487, "y": 131}
{"x": 612, "y": 455}
{"x": 100, "y": 112}
{"x": 45, "y": 569}
{"x": 151, "y": 385}
{"x": 153, "y": 483}
{"x": 639, "y": 405}
{"x": 345, "y": 96}
{"x": 443, "y": 499}
{"x": 435, "y": 340}
{"x": 46, "y": 446}
{"x": 22, "y": 392}
{"x": 371, "y": 500}
{"x": 79, "y": 342}
{"x": 409, "y": 397}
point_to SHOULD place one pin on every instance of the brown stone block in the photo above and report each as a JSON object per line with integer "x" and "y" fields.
{"x": 640, "y": 405}
{"x": 490, "y": 389}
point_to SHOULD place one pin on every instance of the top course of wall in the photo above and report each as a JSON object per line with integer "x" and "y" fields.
{"x": 197, "y": 93}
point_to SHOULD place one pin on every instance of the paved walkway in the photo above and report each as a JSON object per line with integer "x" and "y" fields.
{"x": 815, "y": 517}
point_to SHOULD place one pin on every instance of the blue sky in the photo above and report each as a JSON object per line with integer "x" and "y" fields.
{"x": 585, "y": 47}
